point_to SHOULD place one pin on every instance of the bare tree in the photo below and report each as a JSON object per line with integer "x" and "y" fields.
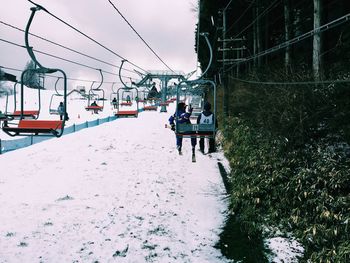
{"x": 316, "y": 54}
{"x": 257, "y": 33}
{"x": 287, "y": 55}
{"x": 31, "y": 78}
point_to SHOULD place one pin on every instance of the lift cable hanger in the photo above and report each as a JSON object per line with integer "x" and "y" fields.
{"x": 96, "y": 94}
{"x": 160, "y": 59}
{"x": 123, "y": 101}
{"x": 191, "y": 86}
{"x": 57, "y": 57}
{"x": 65, "y": 47}
{"x": 25, "y": 127}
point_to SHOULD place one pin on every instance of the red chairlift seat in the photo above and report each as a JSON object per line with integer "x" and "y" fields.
{"x": 125, "y": 103}
{"x": 34, "y": 127}
{"x": 26, "y": 114}
{"x": 100, "y": 108}
{"x": 150, "y": 108}
{"x": 126, "y": 113}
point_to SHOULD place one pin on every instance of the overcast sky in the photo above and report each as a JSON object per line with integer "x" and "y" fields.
{"x": 168, "y": 26}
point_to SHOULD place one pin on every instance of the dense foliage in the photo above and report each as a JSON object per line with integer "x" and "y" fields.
{"x": 304, "y": 191}
{"x": 288, "y": 145}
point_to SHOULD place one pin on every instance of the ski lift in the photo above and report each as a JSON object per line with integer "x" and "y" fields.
{"x": 17, "y": 114}
{"x": 3, "y": 116}
{"x": 55, "y": 100}
{"x": 149, "y": 104}
{"x": 96, "y": 95}
{"x": 35, "y": 127}
{"x": 197, "y": 101}
{"x": 126, "y": 91}
{"x": 198, "y": 130}
{"x": 189, "y": 87}
{"x": 126, "y": 97}
{"x": 150, "y": 108}
{"x": 113, "y": 97}
{"x": 143, "y": 96}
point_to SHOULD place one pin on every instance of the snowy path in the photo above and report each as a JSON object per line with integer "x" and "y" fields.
{"x": 118, "y": 192}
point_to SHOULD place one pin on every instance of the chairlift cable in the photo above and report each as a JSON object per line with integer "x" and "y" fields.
{"x": 161, "y": 60}
{"x": 335, "y": 81}
{"x": 325, "y": 27}
{"x": 57, "y": 57}
{"x": 85, "y": 35}
{"x": 73, "y": 79}
{"x": 239, "y": 18}
{"x": 64, "y": 47}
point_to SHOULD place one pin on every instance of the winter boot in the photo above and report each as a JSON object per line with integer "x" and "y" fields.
{"x": 193, "y": 155}
{"x": 179, "y": 149}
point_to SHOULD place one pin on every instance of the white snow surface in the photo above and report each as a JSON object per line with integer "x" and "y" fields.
{"x": 117, "y": 192}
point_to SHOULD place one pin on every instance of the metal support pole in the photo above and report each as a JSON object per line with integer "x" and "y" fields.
{"x": 224, "y": 82}
{"x": 164, "y": 92}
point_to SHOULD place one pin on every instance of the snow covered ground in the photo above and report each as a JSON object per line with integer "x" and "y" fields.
{"x": 118, "y": 192}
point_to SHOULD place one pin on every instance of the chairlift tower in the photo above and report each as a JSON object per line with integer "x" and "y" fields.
{"x": 226, "y": 61}
{"x": 164, "y": 76}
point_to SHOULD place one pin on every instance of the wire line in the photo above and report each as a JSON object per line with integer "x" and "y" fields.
{"x": 139, "y": 35}
{"x": 52, "y": 76}
{"x": 85, "y": 35}
{"x": 297, "y": 39}
{"x": 60, "y": 58}
{"x": 62, "y": 46}
{"x": 292, "y": 83}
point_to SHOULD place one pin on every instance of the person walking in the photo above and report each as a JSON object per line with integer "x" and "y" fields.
{"x": 207, "y": 117}
{"x": 182, "y": 117}
{"x": 60, "y": 110}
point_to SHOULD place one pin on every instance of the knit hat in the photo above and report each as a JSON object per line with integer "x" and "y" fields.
{"x": 207, "y": 106}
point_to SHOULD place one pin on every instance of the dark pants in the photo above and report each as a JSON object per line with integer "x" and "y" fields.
{"x": 211, "y": 145}
{"x": 179, "y": 141}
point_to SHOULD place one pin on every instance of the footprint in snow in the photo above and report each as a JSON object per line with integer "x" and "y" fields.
{"x": 121, "y": 253}
{"x": 67, "y": 197}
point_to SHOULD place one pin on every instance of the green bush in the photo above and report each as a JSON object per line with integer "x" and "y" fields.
{"x": 303, "y": 190}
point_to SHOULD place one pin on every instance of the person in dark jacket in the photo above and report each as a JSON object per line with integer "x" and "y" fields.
{"x": 114, "y": 103}
{"x": 60, "y": 110}
{"x": 153, "y": 93}
{"x": 207, "y": 117}
{"x": 182, "y": 117}
{"x": 94, "y": 104}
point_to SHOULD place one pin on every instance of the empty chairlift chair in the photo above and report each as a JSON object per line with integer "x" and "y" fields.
{"x": 34, "y": 127}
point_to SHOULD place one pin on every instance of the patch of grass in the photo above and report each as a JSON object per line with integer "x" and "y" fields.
{"x": 303, "y": 190}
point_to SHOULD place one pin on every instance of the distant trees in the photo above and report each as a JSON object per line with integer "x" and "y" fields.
{"x": 285, "y": 127}
{"x": 31, "y": 78}
{"x": 267, "y": 24}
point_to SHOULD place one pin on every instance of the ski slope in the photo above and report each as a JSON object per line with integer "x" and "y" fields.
{"x": 118, "y": 192}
